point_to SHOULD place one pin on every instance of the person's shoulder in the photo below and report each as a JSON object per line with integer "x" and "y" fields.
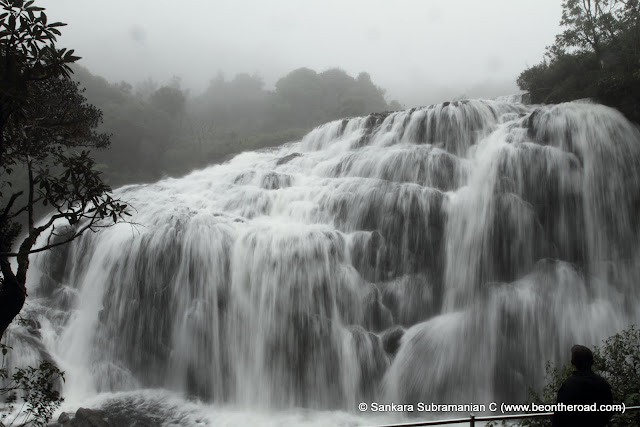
{"x": 576, "y": 376}
{"x": 579, "y": 379}
{"x": 599, "y": 378}
{"x": 566, "y": 388}
{"x": 603, "y": 387}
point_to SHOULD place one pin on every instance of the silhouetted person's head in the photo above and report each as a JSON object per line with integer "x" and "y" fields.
{"x": 581, "y": 358}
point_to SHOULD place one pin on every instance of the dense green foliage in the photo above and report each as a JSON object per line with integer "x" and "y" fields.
{"x": 28, "y": 54}
{"x": 159, "y": 130}
{"x": 32, "y": 391}
{"x": 596, "y": 56}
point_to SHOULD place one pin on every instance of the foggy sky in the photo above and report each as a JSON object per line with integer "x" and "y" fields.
{"x": 420, "y": 51}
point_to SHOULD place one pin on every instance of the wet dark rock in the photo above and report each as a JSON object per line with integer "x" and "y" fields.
{"x": 421, "y": 133}
{"x": 64, "y": 418}
{"x": 287, "y": 158}
{"x": 85, "y": 418}
{"x": 371, "y": 125}
{"x": 405, "y": 124}
{"x": 33, "y": 326}
{"x": 377, "y": 316}
{"x": 368, "y": 250}
{"x": 372, "y": 360}
{"x": 391, "y": 339}
{"x": 531, "y": 124}
{"x": 274, "y": 181}
{"x": 343, "y": 126}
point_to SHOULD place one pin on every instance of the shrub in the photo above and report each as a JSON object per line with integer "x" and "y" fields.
{"x": 33, "y": 389}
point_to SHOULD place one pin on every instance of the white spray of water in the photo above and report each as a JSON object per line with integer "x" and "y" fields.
{"x": 497, "y": 234}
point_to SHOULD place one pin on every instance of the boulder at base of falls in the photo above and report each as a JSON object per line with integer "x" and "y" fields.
{"x": 84, "y": 418}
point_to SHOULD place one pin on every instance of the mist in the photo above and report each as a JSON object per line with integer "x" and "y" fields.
{"x": 316, "y": 213}
{"x": 419, "y": 52}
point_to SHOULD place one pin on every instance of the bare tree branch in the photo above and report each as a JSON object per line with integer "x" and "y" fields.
{"x": 23, "y": 209}
{"x": 5, "y": 212}
{"x": 91, "y": 227}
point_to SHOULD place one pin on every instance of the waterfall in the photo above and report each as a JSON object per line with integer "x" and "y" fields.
{"x": 441, "y": 254}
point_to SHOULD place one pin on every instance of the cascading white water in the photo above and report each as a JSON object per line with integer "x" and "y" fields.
{"x": 496, "y": 234}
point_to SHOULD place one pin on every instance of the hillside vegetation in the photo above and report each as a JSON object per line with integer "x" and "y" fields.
{"x": 596, "y": 56}
{"x": 160, "y": 130}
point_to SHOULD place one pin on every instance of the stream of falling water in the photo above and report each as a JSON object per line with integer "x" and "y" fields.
{"x": 440, "y": 254}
